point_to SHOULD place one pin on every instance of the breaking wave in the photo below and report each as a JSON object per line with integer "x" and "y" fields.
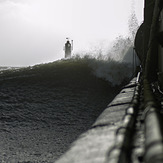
{"x": 115, "y": 64}
{"x": 41, "y": 106}
{"x": 44, "y": 108}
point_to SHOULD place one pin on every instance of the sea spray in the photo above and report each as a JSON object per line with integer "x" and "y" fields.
{"x": 115, "y": 72}
{"x": 114, "y": 63}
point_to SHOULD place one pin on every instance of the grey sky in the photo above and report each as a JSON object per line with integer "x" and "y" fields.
{"x": 34, "y": 31}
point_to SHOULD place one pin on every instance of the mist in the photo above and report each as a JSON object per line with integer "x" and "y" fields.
{"x": 34, "y": 31}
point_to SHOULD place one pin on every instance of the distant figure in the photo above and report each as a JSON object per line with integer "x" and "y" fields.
{"x": 68, "y": 48}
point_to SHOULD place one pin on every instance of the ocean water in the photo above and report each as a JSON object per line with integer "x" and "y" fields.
{"x": 44, "y": 108}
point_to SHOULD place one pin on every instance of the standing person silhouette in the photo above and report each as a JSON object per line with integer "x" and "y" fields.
{"x": 68, "y": 49}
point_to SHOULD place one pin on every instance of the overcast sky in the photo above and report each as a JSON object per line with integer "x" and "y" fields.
{"x": 34, "y": 31}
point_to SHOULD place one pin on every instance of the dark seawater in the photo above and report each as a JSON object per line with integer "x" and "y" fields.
{"x": 44, "y": 108}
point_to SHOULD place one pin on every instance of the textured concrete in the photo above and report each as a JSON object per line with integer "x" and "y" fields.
{"x": 93, "y": 145}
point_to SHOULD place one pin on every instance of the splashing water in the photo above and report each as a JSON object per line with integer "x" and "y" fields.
{"x": 114, "y": 62}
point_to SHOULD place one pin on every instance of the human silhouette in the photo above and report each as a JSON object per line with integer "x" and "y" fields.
{"x": 68, "y": 49}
